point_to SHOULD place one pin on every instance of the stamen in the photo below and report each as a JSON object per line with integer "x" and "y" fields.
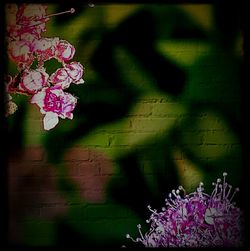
{"x": 224, "y": 185}
{"x": 139, "y": 229}
{"x": 150, "y": 209}
{"x": 230, "y": 187}
{"x": 235, "y": 191}
{"x": 220, "y": 192}
{"x": 129, "y": 237}
{"x": 214, "y": 193}
{"x": 72, "y": 10}
{"x": 181, "y": 188}
{"x": 173, "y": 192}
{"x": 46, "y": 18}
{"x": 200, "y": 188}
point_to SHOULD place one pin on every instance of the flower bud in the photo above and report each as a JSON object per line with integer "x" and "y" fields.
{"x": 45, "y": 48}
{"x": 75, "y": 71}
{"x": 33, "y": 80}
{"x": 61, "y": 77}
{"x": 64, "y": 51}
{"x": 21, "y": 52}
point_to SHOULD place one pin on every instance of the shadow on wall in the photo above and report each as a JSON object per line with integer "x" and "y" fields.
{"x": 162, "y": 101}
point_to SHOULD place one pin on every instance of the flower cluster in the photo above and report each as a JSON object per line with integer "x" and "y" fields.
{"x": 195, "y": 220}
{"x": 28, "y": 49}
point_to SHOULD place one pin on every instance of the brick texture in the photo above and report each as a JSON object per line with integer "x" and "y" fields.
{"x": 34, "y": 183}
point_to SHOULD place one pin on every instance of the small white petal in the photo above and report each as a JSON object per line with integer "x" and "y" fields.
{"x": 210, "y": 214}
{"x": 38, "y": 99}
{"x": 81, "y": 81}
{"x": 50, "y": 120}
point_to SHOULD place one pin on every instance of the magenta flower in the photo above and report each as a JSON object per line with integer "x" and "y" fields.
{"x": 75, "y": 71}
{"x": 64, "y": 51}
{"x": 65, "y": 76}
{"x": 31, "y": 12}
{"x": 195, "y": 220}
{"x": 27, "y": 18}
{"x": 25, "y": 24}
{"x": 54, "y": 103}
{"x": 33, "y": 81}
{"x": 61, "y": 78}
{"x": 31, "y": 18}
{"x": 45, "y": 48}
{"x": 21, "y": 52}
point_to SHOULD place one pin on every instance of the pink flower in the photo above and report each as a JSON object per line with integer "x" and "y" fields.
{"x": 45, "y": 48}
{"x": 64, "y": 51}
{"x": 196, "y": 220}
{"x": 21, "y": 52}
{"x": 33, "y": 81}
{"x": 28, "y": 49}
{"x": 54, "y": 103}
{"x": 31, "y": 18}
{"x": 61, "y": 77}
{"x": 75, "y": 71}
{"x": 65, "y": 76}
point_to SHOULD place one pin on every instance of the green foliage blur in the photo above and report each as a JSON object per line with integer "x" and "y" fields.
{"x": 186, "y": 60}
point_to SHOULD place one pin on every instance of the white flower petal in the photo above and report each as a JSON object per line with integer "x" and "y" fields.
{"x": 210, "y": 214}
{"x": 81, "y": 81}
{"x": 38, "y": 99}
{"x": 50, "y": 120}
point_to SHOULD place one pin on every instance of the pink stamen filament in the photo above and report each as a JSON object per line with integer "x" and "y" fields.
{"x": 72, "y": 10}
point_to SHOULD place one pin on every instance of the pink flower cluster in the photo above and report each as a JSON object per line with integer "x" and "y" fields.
{"x": 28, "y": 49}
{"x": 196, "y": 220}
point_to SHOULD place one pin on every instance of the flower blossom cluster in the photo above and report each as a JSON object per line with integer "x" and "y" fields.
{"x": 28, "y": 49}
{"x": 196, "y": 219}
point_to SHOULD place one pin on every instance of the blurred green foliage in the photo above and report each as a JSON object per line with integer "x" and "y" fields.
{"x": 184, "y": 59}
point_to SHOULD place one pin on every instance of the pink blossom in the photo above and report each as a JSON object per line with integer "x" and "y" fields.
{"x": 54, "y": 103}
{"x": 31, "y": 12}
{"x": 45, "y": 48}
{"x": 31, "y": 18}
{"x": 21, "y": 52}
{"x": 29, "y": 38}
{"x": 196, "y": 220}
{"x": 64, "y": 51}
{"x": 61, "y": 77}
{"x": 33, "y": 80}
{"x": 65, "y": 76}
{"x": 28, "y": 49}
{"x": 75, "y": 71}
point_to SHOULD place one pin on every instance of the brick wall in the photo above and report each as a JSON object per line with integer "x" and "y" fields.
{"x": 34, "y": 192}
{"x": 33, "y": 187}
